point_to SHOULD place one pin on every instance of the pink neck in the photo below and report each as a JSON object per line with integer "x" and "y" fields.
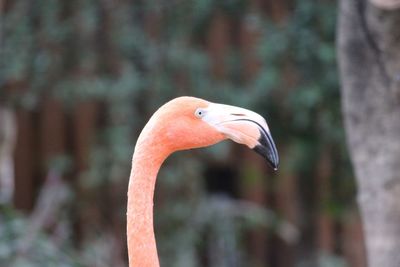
{"x": 147, "y": 159}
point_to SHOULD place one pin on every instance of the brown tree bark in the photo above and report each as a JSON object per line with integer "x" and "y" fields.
{"x": 352, "y": 241}
{"x": 25, "y": 163}
{"x": 369, "y": 61}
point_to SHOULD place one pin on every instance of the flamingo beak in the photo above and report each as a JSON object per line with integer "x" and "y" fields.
{"x": 244, "y": 127}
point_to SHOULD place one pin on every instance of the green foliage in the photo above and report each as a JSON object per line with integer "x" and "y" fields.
{"x": 302, "y": 95}
{"x": 132, "y": 56}
{"x": 18, "y": 249}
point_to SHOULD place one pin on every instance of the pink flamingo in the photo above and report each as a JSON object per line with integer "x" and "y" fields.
{"x": 183, "y": 123}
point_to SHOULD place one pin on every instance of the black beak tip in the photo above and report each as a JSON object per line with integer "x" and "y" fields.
{"x": 274, "y": 166}
{"x": 267, "y": 149}
{"x": 269, "y": 154}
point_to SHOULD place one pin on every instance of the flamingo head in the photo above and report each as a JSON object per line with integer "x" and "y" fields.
{"x": 188, "y": 122}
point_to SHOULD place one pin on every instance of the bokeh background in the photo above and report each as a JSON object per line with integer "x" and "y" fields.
{"x": 80, "y": 78}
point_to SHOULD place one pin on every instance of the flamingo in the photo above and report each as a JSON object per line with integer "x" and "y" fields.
{"x": 180, "y": 124}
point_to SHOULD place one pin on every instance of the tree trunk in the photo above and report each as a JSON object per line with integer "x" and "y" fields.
{"x": 369, "y": 61}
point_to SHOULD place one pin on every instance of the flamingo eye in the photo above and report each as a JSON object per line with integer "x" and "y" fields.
{"x": 199, "y": 113}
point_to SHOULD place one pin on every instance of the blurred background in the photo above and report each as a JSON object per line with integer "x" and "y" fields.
{"x": 79, "y": 80}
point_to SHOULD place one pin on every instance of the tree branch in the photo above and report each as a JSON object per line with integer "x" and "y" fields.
{"x": 8, "y": 131}
{"x": 386, "y": 4}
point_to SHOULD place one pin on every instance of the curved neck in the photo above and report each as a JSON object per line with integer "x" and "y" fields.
{"x": 147, "y": 159}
